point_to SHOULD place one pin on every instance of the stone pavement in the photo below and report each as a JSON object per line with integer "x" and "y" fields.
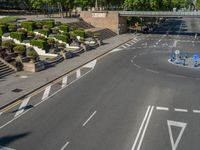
{"x": 28, "y": 82}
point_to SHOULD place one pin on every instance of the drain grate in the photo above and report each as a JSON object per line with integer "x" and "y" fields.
{"x": 17, "y": 90}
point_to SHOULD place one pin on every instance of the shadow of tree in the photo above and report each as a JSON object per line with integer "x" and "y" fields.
{"x": 6, "y": 140}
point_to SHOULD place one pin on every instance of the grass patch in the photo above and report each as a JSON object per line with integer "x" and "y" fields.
{"x": 8, "y": 19}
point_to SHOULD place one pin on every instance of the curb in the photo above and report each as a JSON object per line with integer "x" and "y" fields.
{"x": 36, "y": 89}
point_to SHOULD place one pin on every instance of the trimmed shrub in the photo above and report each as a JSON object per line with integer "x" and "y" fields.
{"x": 9, "y": 44}
{"x": 21, "y": 49}
{"x": 38, "y": 25}
{"x": 12, "y": 27}
{"x": 50, "y": 23}
{"x": 39, "y": 43}
{"x": 8, "y": 19}
{"x": 29, "y": 25}
{"x": 80, "y": 33}
{"x": 18, "y": 35}
{"x": 63, "y": 38}
{"x": 3, "y": 29}
{"x": 32, "y": 54}
{"x": 30, "y": 34}
{"x": 44, "y": 31}
{"x": 64, "y": 28}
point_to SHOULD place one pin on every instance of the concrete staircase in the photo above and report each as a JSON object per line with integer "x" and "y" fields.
{"x": 6, "y": 69}
{"x": 81, "y": 24}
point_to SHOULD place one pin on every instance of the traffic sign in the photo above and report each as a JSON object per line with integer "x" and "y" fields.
{"x": 196, "y": 57}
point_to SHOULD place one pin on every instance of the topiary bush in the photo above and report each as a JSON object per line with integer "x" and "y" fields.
{"x": 50, "y": 23}
{"x": 8, "y": 44}
{"x": 80, "y": 33}
{"x": 12, "y": 27}
{"x": 20, "y": 49}
{"x": 32, "y": 54}
{"x": 40, "y": 44}
{"x": 3, "y": 29}
{"x": 28, "y": 25}
{"x": 63, "y": 38}
{"x": 18, "y": 35}
{"x": 64, "y": 28}
{"x": 44, "y": 31}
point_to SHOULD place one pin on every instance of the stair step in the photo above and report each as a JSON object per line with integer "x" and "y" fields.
{"x": 5, "y": 69}
{"x": 3, "y": 66}
{"x": 5, "y": 73}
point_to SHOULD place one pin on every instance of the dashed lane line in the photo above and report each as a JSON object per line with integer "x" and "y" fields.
{"x": 64, "y": 146}
{"x": 22, "y": 106}
{"x": 46, "y": 92}
{"x": 153, "y": 71}
{"x": 196, "y": 111}
{"x": 78, "y": 73}
{"x": 180, "y": 110}
{"x": 89, "y": 118}
{"x": 137, "y": 66}
{"x": 64, "y": 81}
{"x": 162, "y": 108}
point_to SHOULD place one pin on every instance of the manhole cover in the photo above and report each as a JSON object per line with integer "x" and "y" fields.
{"x": 17, "y": 90}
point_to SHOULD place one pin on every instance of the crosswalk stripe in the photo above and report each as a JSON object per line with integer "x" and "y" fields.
{"x": 124, "y": 46}
{"x": 46, "y": 92}
{"x": 127, "y": 44}
{"x": 1, "y": 113}
{"x": 22, "y": 106}
{"x": 78, "y": 73}
{"x": 64, "y": 81}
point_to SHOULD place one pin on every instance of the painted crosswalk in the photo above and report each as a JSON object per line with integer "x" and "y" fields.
{"x": 22, "y": 106}
{"x": 64, "y": 81}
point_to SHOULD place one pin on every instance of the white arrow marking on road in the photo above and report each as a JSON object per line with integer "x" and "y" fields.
{"x": 64, "y": 82}
{"x": 46, "y": 92}
{"x": 5, "y": 148}
{"x": 22, "y": 106}
{"x": 176, "y": 124}
{"x": 90, "y": 64}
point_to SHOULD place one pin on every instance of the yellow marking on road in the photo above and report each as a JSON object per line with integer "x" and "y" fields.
{"x": 11, "y": 106}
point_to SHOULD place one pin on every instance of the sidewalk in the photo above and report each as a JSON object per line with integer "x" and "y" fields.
{"x": 27, "y": 82}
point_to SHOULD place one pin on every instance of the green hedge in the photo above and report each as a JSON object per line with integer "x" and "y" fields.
{"x": 63, "y": 38}
{"x": 8, "y": 19}
{"x": 20, "y": 49}
{"x": 80, "y": 33}
{"x": 29, "y": 25}
{"x": 3, "y": 29}
{"x": 18, "y": 35}
{"x": 44, "y": 31}
{"x": 12, "y": 27}
{"x": 40, "y": 43}
{"x": 50, "y": 23}
{"x": 64, "y": 28}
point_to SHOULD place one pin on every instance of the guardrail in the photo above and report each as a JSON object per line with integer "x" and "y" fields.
{"x": 160, "y": 13}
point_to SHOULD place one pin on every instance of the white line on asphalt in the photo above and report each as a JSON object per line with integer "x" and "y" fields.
{"x": 89, "y": 118}
{"x": 128, "y": 44}
{"x": 7, "y": 123}
{"x": 140, "y": 129}
{"x": 162, "y": 108}
{"x": 134, "y": 57}
{"x": 22, "y": 106}
{"x": 180, "y": 110}
{"x": 46, "y": 92}
{"x": 177, "y": 76}
{"x": 137, "y": 66}
{"x": 78, "y": 73}
{"x": 153, "y": 71}
{"x": 64, "y": 81}
{"x": 196, "y": 111}
{"x": 124, "y": 46}
{"x": 1, "y": 113}
{"x": 91, "y": 64}
{"x": 66, "y": 144}
{"x": 145, "y": 128}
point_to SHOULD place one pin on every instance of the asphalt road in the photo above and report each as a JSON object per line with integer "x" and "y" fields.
{"x": 132, "y": 100}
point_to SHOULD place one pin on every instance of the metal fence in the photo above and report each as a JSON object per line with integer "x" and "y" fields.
{"x": 160, "y": 13}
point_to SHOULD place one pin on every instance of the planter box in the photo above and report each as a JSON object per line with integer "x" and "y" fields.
{"x": 33, "y": 67}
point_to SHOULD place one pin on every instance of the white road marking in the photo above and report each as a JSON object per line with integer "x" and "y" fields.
{"x": 177, "y": 76}
{"x": 22, "y": 106}
{"x": 162, "y": 108}
{"x": 124, "y": 46}
{"x": 176, "y": 124}
{"x": 89, "y": 118}
{"x": 66, "y": 144}
{"x": 196, "y": 111}
{"x": 9, "y": 122}
{"x": 137, "y": 66}
{"x": 5, "y": 148}
{"x": 78, "y": 73}
{"x": 180, "y": 110}
{"x": 141, "y": 127}
{"x": 153, "y": 71}
{"x": 175, "y": 43}
{"x": 134, "y": 57}
{"x": 46, "y": 92}
{"x": 64, "y": 81}
{"x": 116, "y": 50}
{"x": 91, "y": 64}
{"x": 1, "y": 113}
{"x": 145, "y": 128}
